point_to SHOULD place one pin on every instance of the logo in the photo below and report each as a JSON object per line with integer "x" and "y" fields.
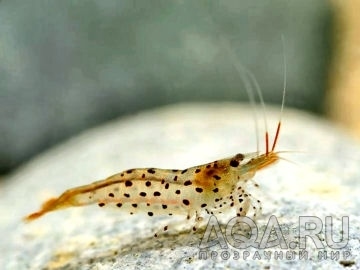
{"x": 243, "y": 236}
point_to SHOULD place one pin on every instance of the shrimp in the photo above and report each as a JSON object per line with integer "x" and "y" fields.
{"x": 210, "y": 188}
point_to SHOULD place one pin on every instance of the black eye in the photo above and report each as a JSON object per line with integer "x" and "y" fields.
{"x": 239, "y": 157}
{"x": 234, "y": 163}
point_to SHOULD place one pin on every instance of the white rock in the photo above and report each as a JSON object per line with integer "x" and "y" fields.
{"x": 324, "y": 182}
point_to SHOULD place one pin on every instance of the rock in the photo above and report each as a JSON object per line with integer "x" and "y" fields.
{"x": 323, "y": 182}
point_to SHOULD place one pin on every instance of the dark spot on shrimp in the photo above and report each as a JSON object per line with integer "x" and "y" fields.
{"x": 217, "y": 177}
{"x": 187, "y": 183}
{"x": 186, "y": 202}
{"x": 128, "y": 183}
{"x": 199, "y": 189}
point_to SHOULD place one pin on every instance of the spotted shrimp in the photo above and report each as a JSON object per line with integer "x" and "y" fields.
{"x": 210, "y": 188}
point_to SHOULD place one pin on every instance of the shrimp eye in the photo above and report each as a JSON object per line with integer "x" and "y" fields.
{"x": 235, "y": 162}
{"x": 239, "y": 157}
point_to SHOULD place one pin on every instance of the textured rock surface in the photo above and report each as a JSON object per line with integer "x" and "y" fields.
{"x": 324, "y": 182}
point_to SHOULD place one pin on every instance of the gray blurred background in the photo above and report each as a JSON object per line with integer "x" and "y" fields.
{"x": 66, "y": 66}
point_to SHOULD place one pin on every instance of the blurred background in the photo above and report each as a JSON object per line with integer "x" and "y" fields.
{"x": 66, "y": 66}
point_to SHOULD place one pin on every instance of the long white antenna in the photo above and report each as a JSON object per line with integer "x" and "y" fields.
{"x": 252, "y": 99}
{"x": 262, "y": 103}
{"x": 283, "y": 95}
{"x": 247, "y": 82}
{"x": 285, "y": 79}
{"x": 242, "y": 71}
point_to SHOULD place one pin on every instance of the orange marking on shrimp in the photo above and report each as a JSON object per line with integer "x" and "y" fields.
{"x": 207, "y": 177}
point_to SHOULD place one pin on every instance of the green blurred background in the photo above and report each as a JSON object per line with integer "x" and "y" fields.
{"x": 66, "y": 66}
